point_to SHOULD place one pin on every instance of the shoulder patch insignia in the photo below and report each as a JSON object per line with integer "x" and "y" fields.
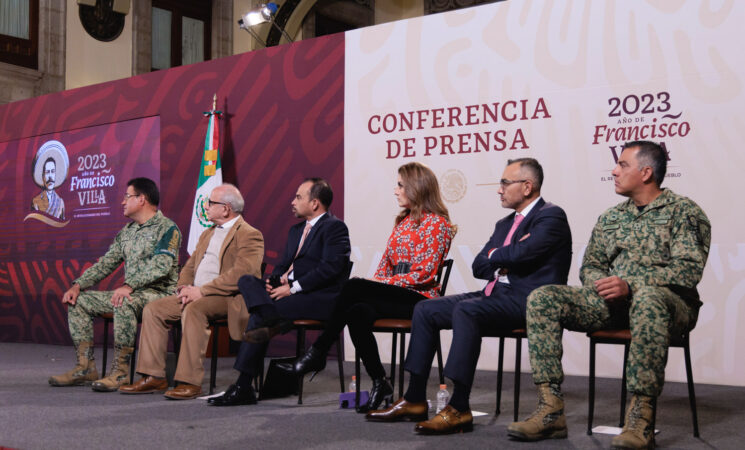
{"x": 169, "y": 243}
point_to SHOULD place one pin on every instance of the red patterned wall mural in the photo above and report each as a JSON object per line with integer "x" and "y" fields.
{"x": 283, "y": 120}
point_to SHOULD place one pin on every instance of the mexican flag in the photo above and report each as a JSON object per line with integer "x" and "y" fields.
{"x": 210, "y": 176}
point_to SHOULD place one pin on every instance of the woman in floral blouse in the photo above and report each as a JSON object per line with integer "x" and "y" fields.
{"x": 406, "y": 274}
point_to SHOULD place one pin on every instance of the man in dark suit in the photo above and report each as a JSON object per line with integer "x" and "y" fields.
{"x": 529, "y": 248}
{"x": 305, "y": 284}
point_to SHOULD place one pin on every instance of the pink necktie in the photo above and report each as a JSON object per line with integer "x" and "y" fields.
{"x": 516, "y": 222}
{"x": 302, "y": 239}
{"x": 308, "y": 226}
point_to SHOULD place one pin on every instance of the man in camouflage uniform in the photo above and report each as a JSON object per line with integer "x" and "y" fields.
{"x": 640, "y": 270}
{"x": 149, "y": 247}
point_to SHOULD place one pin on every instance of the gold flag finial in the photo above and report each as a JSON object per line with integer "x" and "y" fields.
{"x": 214, "y": 102}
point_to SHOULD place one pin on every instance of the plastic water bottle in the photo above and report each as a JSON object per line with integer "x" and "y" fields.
{"x": 353, "y": 384}
{"x": 443, "y": 396}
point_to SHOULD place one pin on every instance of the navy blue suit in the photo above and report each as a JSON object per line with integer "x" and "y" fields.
{"x": 541, "y": 258}
{"x": 321, "y": 267}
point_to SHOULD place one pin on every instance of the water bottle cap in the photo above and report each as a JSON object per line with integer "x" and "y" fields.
{"x": 443, "y": 386}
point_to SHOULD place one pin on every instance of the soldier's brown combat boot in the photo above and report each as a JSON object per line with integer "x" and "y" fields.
{"x": 83, "y": 373}
{"x": 119, "y": 371}
{"x": 546, "y": 422}
{"x": 638, "y": 430}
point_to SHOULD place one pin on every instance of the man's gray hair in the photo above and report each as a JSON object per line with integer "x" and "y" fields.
{"x": 232, "y": 196}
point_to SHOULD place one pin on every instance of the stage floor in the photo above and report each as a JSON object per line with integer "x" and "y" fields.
{"x": 36, "y": 415}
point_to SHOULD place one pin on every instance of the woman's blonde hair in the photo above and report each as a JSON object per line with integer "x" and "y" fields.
{"x": 423, "y": 191}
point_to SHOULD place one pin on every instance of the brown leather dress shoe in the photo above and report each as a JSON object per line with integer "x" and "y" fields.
{"x": 400, "y": 411}
{"x": 447, "y": 421}
{"x": 145, "y": 385}
{"x": 184, "y": 391}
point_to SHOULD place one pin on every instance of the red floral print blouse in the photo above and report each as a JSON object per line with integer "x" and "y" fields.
{"x": 424, "y": 246}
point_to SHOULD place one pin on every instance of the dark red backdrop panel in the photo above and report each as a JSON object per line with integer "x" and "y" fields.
{"x": 283, "y": 121}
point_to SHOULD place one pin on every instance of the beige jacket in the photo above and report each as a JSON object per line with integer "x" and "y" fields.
{"x": 241, "y": 254}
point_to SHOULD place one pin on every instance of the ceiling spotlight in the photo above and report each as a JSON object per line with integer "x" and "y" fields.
{"x": 262, "y": 14}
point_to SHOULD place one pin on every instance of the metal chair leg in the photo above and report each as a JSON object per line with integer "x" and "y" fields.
{"x": 299, "y": 348}
{"x": 500, "y": 367}
{"x": 402, "y": 352}
{"x": 133, "y": 361}
{"x": 393, "y": 358}
{"x": 259, "y": 381}
{"x": 591, "y": 394}
{"x": 518, "y": 361}
{"x": 340, "y": 362}
{"x": 624, "y": 392}
{"x": 691, "y": 391}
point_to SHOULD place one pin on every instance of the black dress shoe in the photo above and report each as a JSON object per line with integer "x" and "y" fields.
{"x": 234, "y": 396}
{"x": 267, "y": 331}
{"x": 313, "y": 360}
{"x": 381, "y": 390}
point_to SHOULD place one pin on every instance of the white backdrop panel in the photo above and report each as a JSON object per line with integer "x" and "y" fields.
{"x": 569, "y": 82}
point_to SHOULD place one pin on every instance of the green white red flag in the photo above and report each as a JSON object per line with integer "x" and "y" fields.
{"x": 210, "y": 176}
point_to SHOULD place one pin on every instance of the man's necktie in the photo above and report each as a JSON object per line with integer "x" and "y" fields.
{"x": 515, "y": 223}
{"x": 308, "y": 226}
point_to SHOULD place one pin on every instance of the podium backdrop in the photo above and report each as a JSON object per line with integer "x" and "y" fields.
{"x": 566, "y": 83}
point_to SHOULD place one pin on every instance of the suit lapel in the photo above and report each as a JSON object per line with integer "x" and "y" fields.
{"x": 293, "y": 238}
{"x": 509, "y": 220}
{"x": 312, "y": 233}
{"x": 229, "y": 237}
{"x": 526, "y": 221}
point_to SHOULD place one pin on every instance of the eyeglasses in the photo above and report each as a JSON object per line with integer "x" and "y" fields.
{"x": 504, "y": 182}
{"x": 128, "y": 196}
{"x": 210, "y": 203}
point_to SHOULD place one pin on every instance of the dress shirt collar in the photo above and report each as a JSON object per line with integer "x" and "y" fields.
{"x": 528, "y": 208}
{"x": 229, "y": 224}
{"x": 314, "y": 221}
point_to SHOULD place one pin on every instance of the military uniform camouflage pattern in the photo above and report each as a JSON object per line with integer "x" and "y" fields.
{"x": 150, "y": 255}
{"x": 660, "y": 252}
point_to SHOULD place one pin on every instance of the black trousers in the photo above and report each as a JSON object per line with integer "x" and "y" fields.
{"x": 359, "y": 305}
{"x": 316, "y": 305}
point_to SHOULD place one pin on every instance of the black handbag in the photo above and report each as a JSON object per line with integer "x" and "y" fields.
{"x": 279, "y": 383}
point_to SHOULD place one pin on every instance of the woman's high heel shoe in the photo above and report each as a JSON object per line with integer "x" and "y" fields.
{"x": 313, "y": 360}
{"x": 381, "y": 391}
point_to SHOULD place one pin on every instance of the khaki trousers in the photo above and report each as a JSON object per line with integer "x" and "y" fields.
{"x": 151, "y": 358}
